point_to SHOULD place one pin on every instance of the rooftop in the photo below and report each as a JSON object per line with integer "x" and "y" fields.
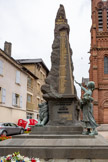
{"x": 33, "y": 61}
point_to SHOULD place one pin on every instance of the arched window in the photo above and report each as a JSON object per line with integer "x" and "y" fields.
{"x": 100, "y": 20}
{"x": 105, "y": 65}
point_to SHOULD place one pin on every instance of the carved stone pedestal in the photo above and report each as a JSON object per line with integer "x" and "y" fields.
{"x": 63, "y": 111}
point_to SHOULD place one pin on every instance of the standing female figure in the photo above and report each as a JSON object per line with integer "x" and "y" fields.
{"x": 88, "y": 121}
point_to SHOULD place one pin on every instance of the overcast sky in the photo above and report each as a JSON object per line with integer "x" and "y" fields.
{"x": 29, "y": 26}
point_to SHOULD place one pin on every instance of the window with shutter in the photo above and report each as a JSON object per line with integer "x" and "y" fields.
{"x": 13, "y": 99}
{"x": 16, "y": 100}
{"x": 29, "y": 98}
{"x": 1, "y": 67}
{"x": 18, "y": 77}
{"x": 29, "y": 82}
{"x": 20, "y": 101}
{"x": 3, "y": 95}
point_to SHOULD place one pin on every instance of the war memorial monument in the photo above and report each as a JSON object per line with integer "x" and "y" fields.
{"x": 59, "y": 133}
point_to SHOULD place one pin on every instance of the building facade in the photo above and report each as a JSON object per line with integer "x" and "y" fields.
{"x": 13, "y": 89}
{"x": 31, "y": 108}
{"x": 98, "y": 71}
{"x": 19, "y": 89}
{"x": 34, "y": 94}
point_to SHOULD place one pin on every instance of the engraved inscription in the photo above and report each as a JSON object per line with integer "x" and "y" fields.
{"x": 63, "y": 103}
{"x": 62, "y": 69}
{"x": 63, "y": 109}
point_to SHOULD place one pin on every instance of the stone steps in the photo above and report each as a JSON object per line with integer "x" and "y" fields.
{"x": 51, "y": 136}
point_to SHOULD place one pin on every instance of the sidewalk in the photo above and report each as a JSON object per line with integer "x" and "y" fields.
{"x": 103, "y": 130}
{"x": 104, "y": 134}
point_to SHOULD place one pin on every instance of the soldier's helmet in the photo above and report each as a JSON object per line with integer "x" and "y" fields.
{"x": 91, "y": 85}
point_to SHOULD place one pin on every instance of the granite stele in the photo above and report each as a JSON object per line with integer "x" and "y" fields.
{"x": 58, "y": 134}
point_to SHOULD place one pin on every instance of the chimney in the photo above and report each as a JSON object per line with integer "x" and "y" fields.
{"x": 7, "y": 48}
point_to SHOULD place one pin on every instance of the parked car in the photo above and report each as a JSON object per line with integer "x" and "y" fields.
{"x": 27, "y": 123}
{"x": 10, "y": 129}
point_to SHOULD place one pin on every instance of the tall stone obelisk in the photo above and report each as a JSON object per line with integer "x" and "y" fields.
{"x": 59, "y": 90}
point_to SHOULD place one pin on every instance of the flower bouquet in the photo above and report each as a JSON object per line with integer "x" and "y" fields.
{"x": 16, "y": 157}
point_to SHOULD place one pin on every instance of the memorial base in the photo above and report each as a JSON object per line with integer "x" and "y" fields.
{"x": 58, "y": 147}
{"x": 57, "y": 130}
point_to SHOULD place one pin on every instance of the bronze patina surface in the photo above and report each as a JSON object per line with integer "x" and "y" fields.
{"x": 88, "y": 121}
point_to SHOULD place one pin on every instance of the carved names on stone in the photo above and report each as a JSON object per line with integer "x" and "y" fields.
{"x": 62, "y": 69}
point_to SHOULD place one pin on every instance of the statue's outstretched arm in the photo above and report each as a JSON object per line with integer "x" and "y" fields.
{"x": 78, "y": 83}
{"x": 84, "y": 89}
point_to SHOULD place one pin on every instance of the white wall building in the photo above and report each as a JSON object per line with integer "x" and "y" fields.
{"x": 13, "y": 88}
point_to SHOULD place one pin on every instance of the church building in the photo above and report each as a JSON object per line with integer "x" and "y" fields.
{"x": 98, "y": 71}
